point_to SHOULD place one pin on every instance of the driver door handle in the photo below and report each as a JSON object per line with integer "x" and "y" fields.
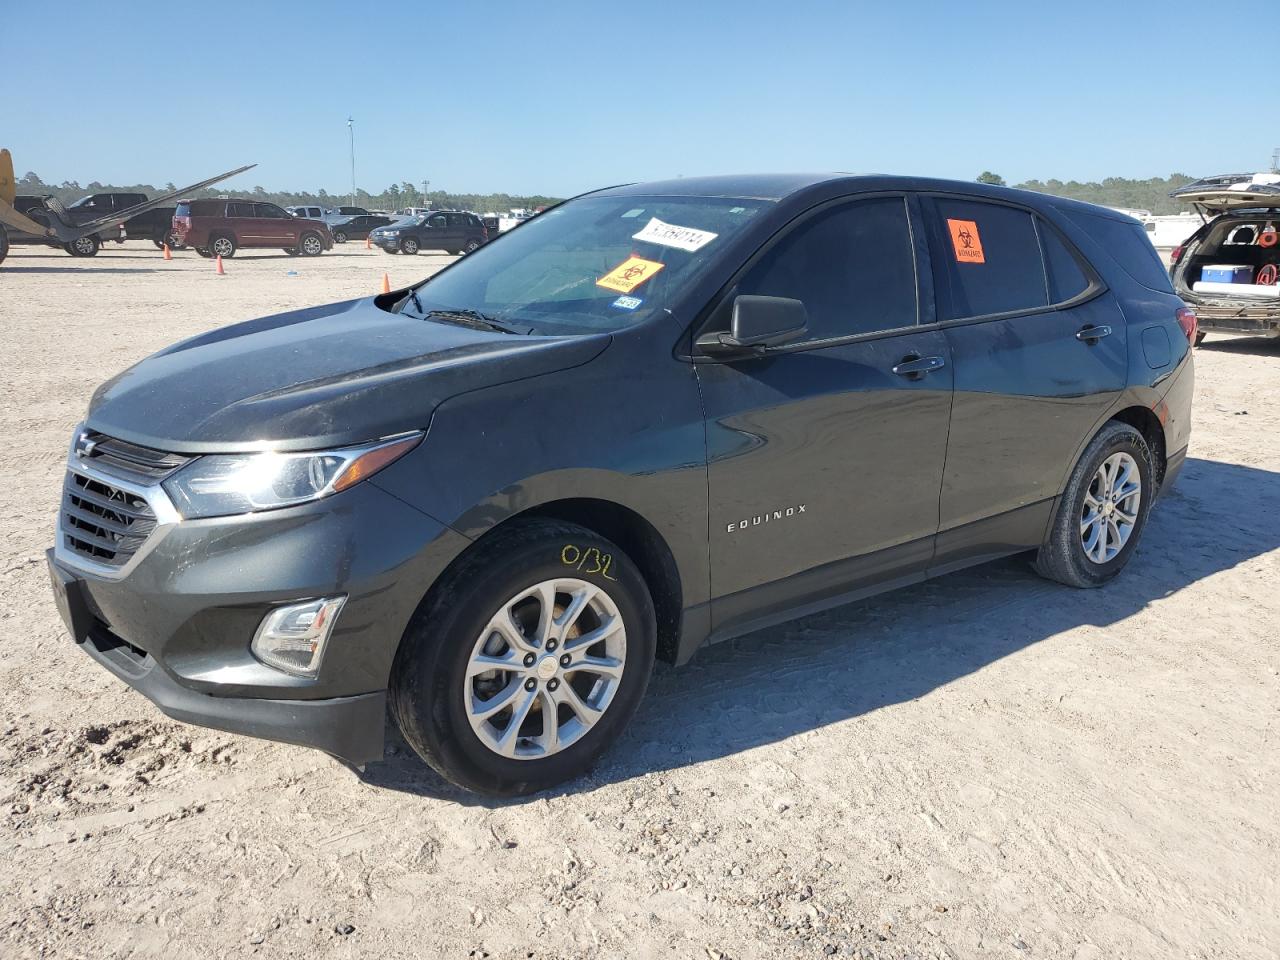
{"x": 915, "y": 367}
{"x": 1092, "y": 334}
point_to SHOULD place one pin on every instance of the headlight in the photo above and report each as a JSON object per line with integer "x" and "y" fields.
{"x": 221, "y": 485}
{"x": 391, "y": 233}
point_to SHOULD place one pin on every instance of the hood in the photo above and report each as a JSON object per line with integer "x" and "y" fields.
{"x": 326, "y": 376}
{"x": 1232, "y": 191}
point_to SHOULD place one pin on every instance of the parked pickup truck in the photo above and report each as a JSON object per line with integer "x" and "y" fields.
{"x": 155, "y": 225}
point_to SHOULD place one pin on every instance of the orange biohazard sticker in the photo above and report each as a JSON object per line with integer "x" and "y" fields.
{"x": 629, "y": 274}
{"x": 965, "y": 240}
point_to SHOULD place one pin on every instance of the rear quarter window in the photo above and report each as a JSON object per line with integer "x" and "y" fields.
{"x": 1128, "y": 245}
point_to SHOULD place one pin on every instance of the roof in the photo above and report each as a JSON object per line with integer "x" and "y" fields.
{"x": 778, "y": 186}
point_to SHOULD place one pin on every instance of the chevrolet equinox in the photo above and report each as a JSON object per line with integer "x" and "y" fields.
{"x": 655, "y": 416}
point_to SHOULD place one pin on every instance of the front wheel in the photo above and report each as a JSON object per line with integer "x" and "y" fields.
{"x": 339, "y": 236}
{"x": 1102, "y": 512}
{"x": 526, "y": 661}
{"x": 310, "y": 245}
{"x": 409, "y": 246}
{"x": 84, "y": 246}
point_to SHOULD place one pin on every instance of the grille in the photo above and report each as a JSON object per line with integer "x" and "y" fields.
{"x": 127, "y": 460}
{"x": 104, "y": 522}
{"x": 104, "y": 516}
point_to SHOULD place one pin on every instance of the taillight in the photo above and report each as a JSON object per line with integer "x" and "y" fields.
{"x": 1177, "y": 253}
{"x": 1188, "y": 322}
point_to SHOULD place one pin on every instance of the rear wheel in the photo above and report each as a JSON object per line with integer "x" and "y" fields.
{"x": 204, "y": 252}
{"x": 1102, "y": 512}
{"x": 310, "y": 245}
{"x": 527, "y": 660}
{"x": 223, "y": 246}
{"x": 409, "y": 246}
{"x": 1200, "y": 335}
{"x": 84, "y": 246}
{"x": 291, "y": 251}
{"x": 4, "y": 243}
{"x": 472, "y": 246}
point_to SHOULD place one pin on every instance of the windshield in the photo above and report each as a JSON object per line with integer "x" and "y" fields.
{"x": 590, "y": 265}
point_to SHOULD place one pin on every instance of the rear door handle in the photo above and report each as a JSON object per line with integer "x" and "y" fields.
{"x": 1093, "y": 334}
{"x": 916, "y": 367}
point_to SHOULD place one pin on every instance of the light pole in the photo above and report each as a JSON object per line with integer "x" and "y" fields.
{"x": 351, "y": 131}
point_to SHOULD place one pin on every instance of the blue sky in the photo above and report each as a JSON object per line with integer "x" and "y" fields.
{"x": 560, "y": 97}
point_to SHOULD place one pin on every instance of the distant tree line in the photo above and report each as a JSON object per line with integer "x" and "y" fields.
{"x": 1151, "y": 194}
{"x": 395, "y": 197}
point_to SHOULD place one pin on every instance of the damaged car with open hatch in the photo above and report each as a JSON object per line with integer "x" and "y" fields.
{"x": 1229, "y": 269}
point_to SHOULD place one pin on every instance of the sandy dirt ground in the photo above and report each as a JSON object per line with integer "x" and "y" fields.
{"x": 987, "y": 765}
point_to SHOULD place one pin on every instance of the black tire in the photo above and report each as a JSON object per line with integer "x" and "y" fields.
{"x": 4, "y": 243}
{"x": 84, "y": 246}
{"x": 310, "y": 245}
{"x": 472, "y": 246}
{"x": 1062, "y": 556}
{"x": 204, "y": 252}
{"x": 159, "y": 242}
{"x": 1200, "y": 335}
{"x": 409, "y": 245}
{"x": 339, "y": 236}
{"x": 428, "y": 693}
{"x": 291, "y": 251}
{"x": 222, "y": 245}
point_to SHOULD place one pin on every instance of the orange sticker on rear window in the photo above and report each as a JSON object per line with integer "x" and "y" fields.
{"x": 965, "y": 240}
{"x": 629, "y": 274}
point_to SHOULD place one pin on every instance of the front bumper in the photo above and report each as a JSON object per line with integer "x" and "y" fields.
{"x": 349, "y": 728}
{"x": 386, "y": 243}
{"x": 177, "y": 625}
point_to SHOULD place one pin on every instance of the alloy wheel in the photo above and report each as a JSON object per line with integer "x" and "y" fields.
{"x": 1110, "y": 511}
{"x": 545, "y": 669}
{"x": 222, "y": 247}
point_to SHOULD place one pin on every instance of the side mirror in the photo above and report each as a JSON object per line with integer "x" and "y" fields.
{"x": 758, "y": 323}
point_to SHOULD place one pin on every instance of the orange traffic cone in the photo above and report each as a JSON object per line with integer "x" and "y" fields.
{"x": 219, "y": 271}
{"x": 367, "y": 244}
{"x": 167, "y": 254}
{"x": 386, "y": 283}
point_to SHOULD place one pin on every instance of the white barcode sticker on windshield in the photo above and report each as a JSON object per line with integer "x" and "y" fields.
{"x": 670, "y": 235}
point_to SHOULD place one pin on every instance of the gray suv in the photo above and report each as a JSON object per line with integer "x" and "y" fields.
{"x": 654, "y": 417}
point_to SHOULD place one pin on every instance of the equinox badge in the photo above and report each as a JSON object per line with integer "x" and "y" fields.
{"x": 766, "y": 517}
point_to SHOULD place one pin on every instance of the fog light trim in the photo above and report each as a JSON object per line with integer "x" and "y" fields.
{"x": 292, "y": 638}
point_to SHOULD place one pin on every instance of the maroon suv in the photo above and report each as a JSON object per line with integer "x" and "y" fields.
{"x": 218, "y": 228}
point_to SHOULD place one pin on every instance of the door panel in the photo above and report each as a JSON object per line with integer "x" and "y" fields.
{"x": 822, "y": 455}
{"x": 1027, "y": 388}
{"x": 1027, "y": 393}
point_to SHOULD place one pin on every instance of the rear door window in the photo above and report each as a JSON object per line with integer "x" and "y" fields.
{"x": 239, "y": 209}
{"x": 852, "y": 266}
{"x": 1066, "y": 278}
{"x": 986, "y": 258}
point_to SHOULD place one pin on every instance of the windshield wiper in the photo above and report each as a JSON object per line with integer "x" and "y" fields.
{"x": 475, "y": 319}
